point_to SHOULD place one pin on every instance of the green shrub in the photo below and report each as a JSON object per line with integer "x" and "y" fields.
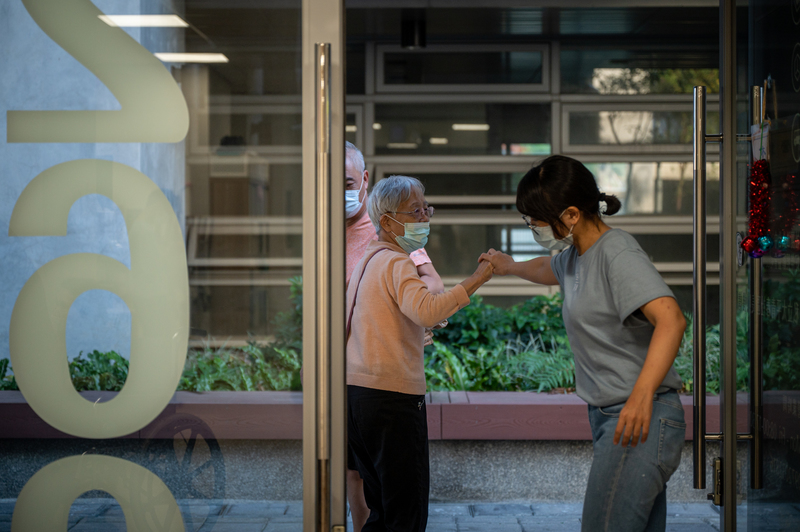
{"x": 253, "y": 367}
{"x": 782, "y": 332}
{"x": 288, "y": 326}
{"x": 542, "y": 367}
{"x": 98, "y": 371}
{"x": 516, "y": 365}
{"x": 7, "y": 382}
{"x": 480, "y": 324}
{"x": 684, "y": 365}
{"x": 482, "y": 369}
{"x": 484, "y": 348}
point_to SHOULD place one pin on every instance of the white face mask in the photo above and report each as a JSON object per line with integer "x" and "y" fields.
{"x": 544, "y": 237}
{"x": 352, "y": 200}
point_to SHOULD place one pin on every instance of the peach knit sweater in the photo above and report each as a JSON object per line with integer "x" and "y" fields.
{"x": 392, "y": 310}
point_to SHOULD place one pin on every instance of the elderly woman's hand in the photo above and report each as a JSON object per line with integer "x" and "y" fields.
{"x": 477, "y": 279}
{"x": 485, "y": 270}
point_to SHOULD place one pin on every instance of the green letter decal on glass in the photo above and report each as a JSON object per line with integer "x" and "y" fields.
{"x": 147, "y": 504}
{"x": 156, "y": 290}
{"x": 153, "y": 107}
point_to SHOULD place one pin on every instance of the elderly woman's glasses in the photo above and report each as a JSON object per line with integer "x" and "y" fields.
{"x": 417, "y": 213}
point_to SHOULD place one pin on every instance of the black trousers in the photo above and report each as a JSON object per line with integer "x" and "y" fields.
{"x": 388, "y": 446}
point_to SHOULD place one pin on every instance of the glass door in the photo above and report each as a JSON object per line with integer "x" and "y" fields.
{"x": 724, "y": 460}
{"x": 772, "y": 464}
{"x": 171, "y": 249}
{"x": 754, "y": 463}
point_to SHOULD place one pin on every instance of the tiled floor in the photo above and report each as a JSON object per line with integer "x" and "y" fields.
{"x": 105, "y": 515}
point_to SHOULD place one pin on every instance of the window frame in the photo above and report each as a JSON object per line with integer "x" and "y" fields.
{"x": 382, "y": 87}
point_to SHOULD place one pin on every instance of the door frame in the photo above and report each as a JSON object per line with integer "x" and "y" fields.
{"x": 324, "y": 393}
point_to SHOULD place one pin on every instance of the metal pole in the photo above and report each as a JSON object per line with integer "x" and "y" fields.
{"x": 728, "y": 262}
{"x": 756, "y": 338}
{"x": 324, "y": 428}
{"x": 699, "y": 289}
{"x": 323, "y": 308}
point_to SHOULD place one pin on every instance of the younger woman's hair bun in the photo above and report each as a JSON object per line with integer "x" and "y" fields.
{"x": 612, "y": 204}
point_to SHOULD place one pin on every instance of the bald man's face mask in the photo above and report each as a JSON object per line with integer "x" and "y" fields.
{"x": 352, "y": 200}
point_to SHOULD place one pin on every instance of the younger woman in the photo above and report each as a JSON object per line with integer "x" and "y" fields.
{"x": 624, "y": 327}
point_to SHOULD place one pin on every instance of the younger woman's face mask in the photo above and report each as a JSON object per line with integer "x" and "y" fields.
{"x": 415, "y": 237}
{"x": 544, "y": 237}
{"x": 352, "y": 200}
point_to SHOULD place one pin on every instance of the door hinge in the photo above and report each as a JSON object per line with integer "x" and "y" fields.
{"x": 716, "y": 496}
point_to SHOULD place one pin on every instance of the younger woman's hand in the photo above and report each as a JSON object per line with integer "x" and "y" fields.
{"x": 634, "y": 419}
{"x": 500, "y": 261}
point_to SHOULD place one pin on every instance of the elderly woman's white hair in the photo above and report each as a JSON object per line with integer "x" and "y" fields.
{"x": 388, "y": 194}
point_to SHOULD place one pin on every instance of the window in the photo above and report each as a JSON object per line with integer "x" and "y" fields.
{"x": 467, "y": 68}
{"x": 461, "y": 129}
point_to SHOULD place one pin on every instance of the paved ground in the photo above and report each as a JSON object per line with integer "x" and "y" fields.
{"x": 105, "y": 515}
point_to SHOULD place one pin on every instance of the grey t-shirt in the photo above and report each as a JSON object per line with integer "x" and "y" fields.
{"x": 603, "y": 290}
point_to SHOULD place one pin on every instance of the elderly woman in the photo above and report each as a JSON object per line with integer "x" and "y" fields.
{"x": 389, "y": 307}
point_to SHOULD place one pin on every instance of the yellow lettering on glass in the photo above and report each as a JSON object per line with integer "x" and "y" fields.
{"x": 156, "y": 290}
{"x": 153, "y": 107}
{"x": 147, "y": 504}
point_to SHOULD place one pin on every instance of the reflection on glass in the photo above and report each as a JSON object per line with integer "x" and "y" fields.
{"x": 356, "y": 73}
{"x": 145, "y": 501}
{"x": 634, "y": 127}
{"x": 133, "y": 203}
{"x": 255, "y": 129}
{"x": 459, "y": 129}
{"x": 643, "y": 71}
{"x": 351, "y": 128}
{"x": 663, "y": 188}
{"x": 460, "y": 68}
{"x": 244, "y": 243}
{"x": 454, "y": 248}
{"x": 676, "y": 248}
{"x": 470, "y": 184}
{"x": 655, "y": 187}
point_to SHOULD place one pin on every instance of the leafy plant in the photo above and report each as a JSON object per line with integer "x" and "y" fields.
{"x": 522, "y": 348}
{"x": 251, "y": 368}
{"x": 482, "y": 369}
{"x": 480, "y": 324}
{"x": 781, "y": 320}
{"x": 542, "y": 369}
{"x": 288, "y": 325}
{"x": 7, "y": 382}
{"x": 684, "y": 360}
{"x": 98, "y": 371}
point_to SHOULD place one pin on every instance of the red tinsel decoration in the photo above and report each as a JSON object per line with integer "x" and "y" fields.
{"x": 757, "y": 241}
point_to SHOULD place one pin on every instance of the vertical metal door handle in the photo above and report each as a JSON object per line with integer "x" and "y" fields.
{"x": 323, "y": 142}
{"x": 756, "y": 339}
{"x": 699, "y": 288}
{"x": 322, "y": 124}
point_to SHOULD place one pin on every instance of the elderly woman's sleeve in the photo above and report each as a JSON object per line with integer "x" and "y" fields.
{"x": 418, "y": 303}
